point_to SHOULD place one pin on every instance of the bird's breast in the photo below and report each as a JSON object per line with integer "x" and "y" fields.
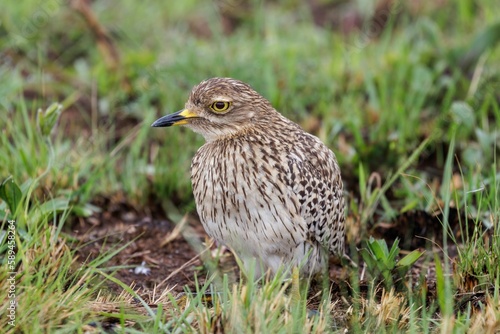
{"x": 240, "y": 196}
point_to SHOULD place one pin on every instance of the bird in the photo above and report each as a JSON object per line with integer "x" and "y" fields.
{"x": 263, "y": 187}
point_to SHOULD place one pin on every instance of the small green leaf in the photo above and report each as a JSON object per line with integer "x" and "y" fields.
{"x": 486, "y": 139}
{"x": 394, "y": 251}
{"x": 370, "y": 261}
{"x": 362, "y": 180}
{"x": 404, "y": 265}
{"x": 379, "y": 249}
{"x": 463, "y": 114}
{"x": 410, "y": 259}
{"x": 47, "y": 119}
{"x": 412, "y": 204}
{"x": 440, "y": 284}
{"x": 10, "y": 193}
{"x": 52, "y": 206}
{"x": 85, "y": 210}
{"x": 374, "y": 194}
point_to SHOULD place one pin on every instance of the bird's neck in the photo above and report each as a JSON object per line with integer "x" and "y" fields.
{"x": 226, "y": 133}
{"x": 273, "y": 122}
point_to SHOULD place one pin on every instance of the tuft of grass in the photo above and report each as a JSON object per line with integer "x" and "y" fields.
{"x": 263, "y": 306}
{"x": 50, "y": 290}
{"x": 382, "y": 263}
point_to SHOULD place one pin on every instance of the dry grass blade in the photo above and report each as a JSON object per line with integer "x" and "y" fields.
{"x": 176, "y": 232}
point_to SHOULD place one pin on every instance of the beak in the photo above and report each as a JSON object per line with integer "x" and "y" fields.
{"x": 179, "y": 118}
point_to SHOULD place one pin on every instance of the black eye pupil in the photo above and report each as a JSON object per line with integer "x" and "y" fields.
{"x": 220, "y": 105}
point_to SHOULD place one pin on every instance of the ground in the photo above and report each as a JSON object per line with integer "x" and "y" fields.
{"x": 152, "y": 241}
{"x": 120, "y": 224}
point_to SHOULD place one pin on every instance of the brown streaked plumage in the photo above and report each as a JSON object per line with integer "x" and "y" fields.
{"x": 262, "y": 185}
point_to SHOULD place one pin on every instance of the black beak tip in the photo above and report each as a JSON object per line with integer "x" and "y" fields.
{"x": 169, "y": 120}
{"x": 161, "y": 123}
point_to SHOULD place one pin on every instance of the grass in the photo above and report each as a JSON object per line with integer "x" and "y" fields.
{"x": 411, "y": 109}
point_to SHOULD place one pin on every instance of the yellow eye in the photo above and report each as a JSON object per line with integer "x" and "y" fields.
{"x": 220, "y": 106}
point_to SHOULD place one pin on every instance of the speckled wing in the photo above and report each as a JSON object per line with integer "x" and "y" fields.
{"x": 314, "y": 176}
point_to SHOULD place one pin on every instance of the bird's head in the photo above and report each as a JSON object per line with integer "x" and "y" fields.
{"x": 218, "y": 108}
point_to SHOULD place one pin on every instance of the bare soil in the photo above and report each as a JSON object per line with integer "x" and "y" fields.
{"x": 119, "y": 224}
